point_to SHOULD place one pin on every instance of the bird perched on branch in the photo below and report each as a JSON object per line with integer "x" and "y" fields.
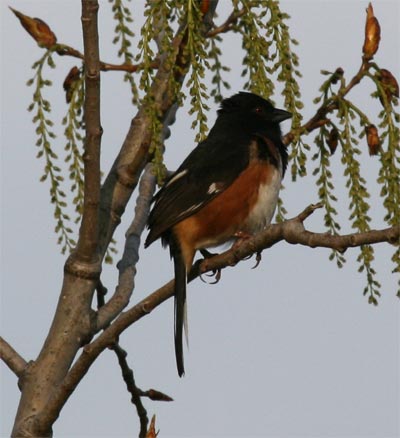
{"x": 226, "y": 189}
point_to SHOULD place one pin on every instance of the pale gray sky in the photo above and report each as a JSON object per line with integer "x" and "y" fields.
{"x": 291, "y": 349}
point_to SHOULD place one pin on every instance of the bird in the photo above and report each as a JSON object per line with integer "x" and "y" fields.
{"x": 224, "y": 191}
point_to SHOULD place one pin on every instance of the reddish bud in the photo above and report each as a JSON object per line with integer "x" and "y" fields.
{"x": 373, "y": 141}
{"x": 37, "y": 29}
{"x": 332, "y": 140}
{"x": 151, "y": 433}
{"x": 69, "y": 82}
{"x": 389, "y": 84}
{"x": 205, "y": 6}
{"x": 158, "y": 395}
{"x": 372, "y": 34}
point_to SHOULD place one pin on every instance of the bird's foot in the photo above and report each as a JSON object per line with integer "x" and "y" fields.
{"x": 216, "y": 273}
{"x": 242, "y": 236}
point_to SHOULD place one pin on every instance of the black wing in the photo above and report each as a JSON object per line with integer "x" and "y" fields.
{"x": 208, "y": 170}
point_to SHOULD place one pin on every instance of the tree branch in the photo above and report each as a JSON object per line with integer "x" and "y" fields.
{"x": 88, "y": 234}
{"x": 127, "y": 168}
{"x": 130, "y": 162}
{"x": 11, "y": 358}
{"x": 291, "y": 231}
{"x": 72, "y": 322}
{"x": 127, "y": 270}
{"x": 46, "y": 394}
{"x": 130, "y": 257}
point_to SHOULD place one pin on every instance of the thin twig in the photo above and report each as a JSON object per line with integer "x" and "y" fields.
{"x": 227, "y": 25}
{"x": 308, "y": 211}
{"x": 319, "y": 118}
{"x": 129, "y": 380}
{"x": 11, "y": 358}
{"x": 65, "y": 50}
{"x": 127, "y": 372}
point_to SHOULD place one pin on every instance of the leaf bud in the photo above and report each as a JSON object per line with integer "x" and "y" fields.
{"x": 37, "y": 29}
{"x": 69, "y": 82}
{"x": 332, "y": 140}
{"x": 389, "y": 84}
{"x": 373, "y": 141}
{"x": 337, "y": 75}
{"x": 372, "y": 34}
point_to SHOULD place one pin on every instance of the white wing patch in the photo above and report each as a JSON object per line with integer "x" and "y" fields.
{"x": 214, "y": 188}
{"x": 176, "y": 177}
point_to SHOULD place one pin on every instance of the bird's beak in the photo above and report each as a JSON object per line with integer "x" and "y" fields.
{"x": 280, "y": 115}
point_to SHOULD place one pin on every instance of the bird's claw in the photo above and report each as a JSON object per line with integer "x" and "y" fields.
{"x": 206, "y": 254}
{"x": 214, "y": 273}
{"x": 242, "y": 237}
{"x": 258, "y": 259}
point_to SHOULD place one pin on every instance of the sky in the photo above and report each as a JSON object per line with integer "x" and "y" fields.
{"x": 290, "y": 349}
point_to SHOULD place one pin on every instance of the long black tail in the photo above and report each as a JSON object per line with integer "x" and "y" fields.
{"x": 180, "y": 304}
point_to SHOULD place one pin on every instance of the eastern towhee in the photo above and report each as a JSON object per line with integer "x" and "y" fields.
{"x": 227, "y": 187}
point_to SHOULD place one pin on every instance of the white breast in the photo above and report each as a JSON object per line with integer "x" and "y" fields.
{"x": 263, "y": 211}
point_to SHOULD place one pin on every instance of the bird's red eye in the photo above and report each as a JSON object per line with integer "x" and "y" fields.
{"x": 258, "y": 110}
